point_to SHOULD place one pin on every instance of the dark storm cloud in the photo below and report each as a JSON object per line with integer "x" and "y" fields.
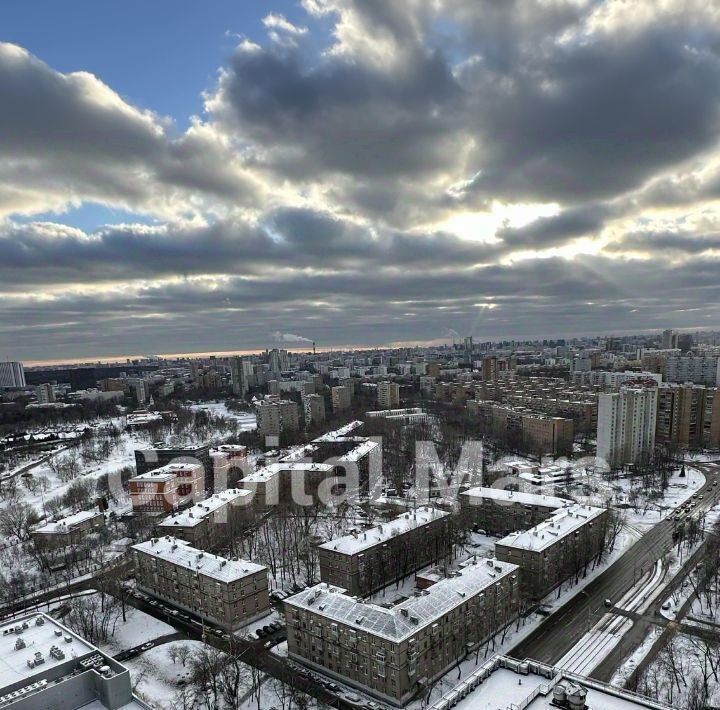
{"x": 414, "y": 113}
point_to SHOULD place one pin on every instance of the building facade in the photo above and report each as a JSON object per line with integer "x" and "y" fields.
{"x": 499, "y": 512}
{"x": 12, "y": 375}
{"x": 626, "y": 425}
{"x": 210, "y": 522}
{"x": 227, "y": 593}
{"x": 273, "y": 418}
{"x": 67, "y": 531}
{"x": 395, "y": 653}
{"x": 688, "y": 415}
{"x": 388, "y": 394}
{"x": 364, "y": 562}
{"x": 167, "y": 488}
{"x": 556, "y": 549}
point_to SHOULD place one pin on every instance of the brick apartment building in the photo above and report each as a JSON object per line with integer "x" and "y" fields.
{"x": 151, "y": 459}
{"x": 555, "y": 549}
{"x": 227, "y": 593}
{"x": 167, "y": 488}
{"x": 67, "y": 531}
{"x": 210, "y": 522}
{"x": 394, "y": 653}
{"x": 499, "y": 512}
{"x": 688, "y": 415}
{"x": 364, "y": 562}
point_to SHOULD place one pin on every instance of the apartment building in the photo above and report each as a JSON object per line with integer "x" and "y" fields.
{"x": 388, "y": 394}
{"x": 626, "y": 424}
{"x": 688, "y": 415}
{"x": 12, "y": 375}
{"x": 607, "y": 379}
{"x": 313, "y": 408}
{"x": 227, "y": 593}
{"x": 365, "y": 562}
{"x": 210, "y": 522}
{"x": 408, "y": 415}
{"x": 150, "y": 459}
{"x": 698, "y": 369}
{"x": 548, "y": 395}
{"x": 394, "y": 653}
{"x": 285, "y": 483}
{"x": 499, "y": 511}
{"x": 167, "y": 488}
{"x": 229, "y": 462}
{"x": 69, "y": 530}
{"x": 341, "y": 398}
{"x": 45, "y": 393}
{"x": 529, "y": 431}
{"x": 275, "y": 417}
{"x": 555, "y": 549}
{"x": 46, "y": 666}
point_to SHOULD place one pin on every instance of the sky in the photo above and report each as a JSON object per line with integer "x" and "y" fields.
{"x": 228, "y": 175}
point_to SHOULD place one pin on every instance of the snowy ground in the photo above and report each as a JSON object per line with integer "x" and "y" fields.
{"x": 246, "y": 419}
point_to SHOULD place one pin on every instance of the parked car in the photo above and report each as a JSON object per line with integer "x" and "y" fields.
{"x": 260, "y": 633}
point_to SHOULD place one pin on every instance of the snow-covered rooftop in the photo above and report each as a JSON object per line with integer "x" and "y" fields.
{"x": 496, "y": 684}
{"x": 359, "y": 451}
{"x": 269, "y": 472}
{"x": 194, "y": 515}
{"x": 507, "y": 496}
{"x": 404, "y": 619}
{"x": 170, "y": 470}
{"x": 69, "y": 523}
{"x": 37, "y": 637}
{"x": 340, "y": 433}
{"x": 560, "y": 524}
{"x": 353, "y": 544}
{"x": 180, "y": 553}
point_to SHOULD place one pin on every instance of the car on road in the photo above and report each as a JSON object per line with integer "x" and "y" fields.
{"x": 147, "y": 646}
{"x": 608, "y": 603}
{"x": 217, "y": 632}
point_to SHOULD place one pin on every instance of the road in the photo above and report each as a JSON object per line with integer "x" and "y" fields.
{"x": 253, "y": 653}
{"x": 562, "y": 630}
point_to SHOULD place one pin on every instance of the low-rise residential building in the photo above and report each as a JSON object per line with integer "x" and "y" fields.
{"x": 159, "y": 456}
{"x": 555, "y": 549}
{"x": 210, "y": 522}
{"x": 46, "y": 666}
{"x": 409, "y": 415}
{"x": 499, "y": 511}
{"x": 68, "y": 530}
{"x": 394, "y": 653}
{"x": 228, "y": 593}
{"x": 167, "y": 488}
{"x": 366, "y": 561}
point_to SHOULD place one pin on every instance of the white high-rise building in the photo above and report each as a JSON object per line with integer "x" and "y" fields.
{"x": 12, "y": 375}
{"x": 626, "y": 425}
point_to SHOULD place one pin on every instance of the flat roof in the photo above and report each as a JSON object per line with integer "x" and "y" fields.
{"x": 194, "y": 515}
{"x": 69, "y": 523}
{"x": 406, "y": 618}
{"x": 38, "y": 638}
{"x": 338, "y": 433}
{"x": 507, "y": 496}
{"x": 353, "y": 544}
{"x": 269, "y": 472}
{"x": 170, "y": 470}
{"x": 496, "y": 687}
{"x": 180, "y": 553}
{"x": 560, "y": 524}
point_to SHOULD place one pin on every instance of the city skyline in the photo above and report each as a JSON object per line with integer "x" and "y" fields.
{"x": 354, "y": 172}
